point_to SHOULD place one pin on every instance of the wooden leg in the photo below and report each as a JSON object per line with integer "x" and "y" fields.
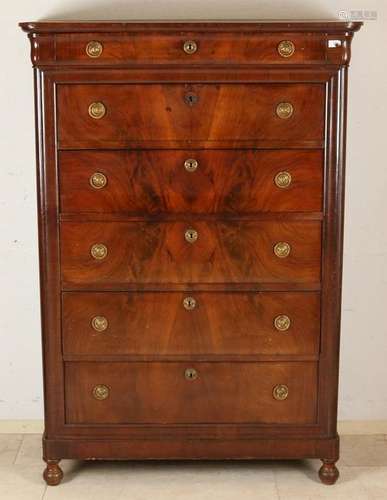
{"x": 328, "y": 472}
{"x": 53, "y": 474}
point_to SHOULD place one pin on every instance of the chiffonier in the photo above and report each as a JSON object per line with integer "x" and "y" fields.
{"x": 190, "y": 199}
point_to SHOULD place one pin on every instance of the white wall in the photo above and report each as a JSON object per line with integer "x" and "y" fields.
{"x": 363, "y": 389}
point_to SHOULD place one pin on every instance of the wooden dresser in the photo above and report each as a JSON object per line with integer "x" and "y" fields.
{"x": 190, "y": 191}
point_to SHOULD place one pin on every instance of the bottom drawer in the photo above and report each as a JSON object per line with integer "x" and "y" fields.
{"x": 169, "y": 392}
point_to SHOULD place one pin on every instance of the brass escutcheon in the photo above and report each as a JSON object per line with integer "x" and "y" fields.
{"x": 101, "y": 392}
{"x": 191, "y": 374}
{"x": 280, "y": 392}
{"x": 286, "y": 48}
{"x": 283, "y": 180}
{"x": 282, "y": 323}
{"x": 94, "y": 49}
{"x": 191, "y": 235}
{"x": 99, "y": 323}
{"x": 97, "y": 110}
{"x": 189, "y": 303}
{"x": 284, "y": 110}
{"x": 191, "y": 165}
{"x": 190, "y": 47}
{"x": 98, "y": 251}
{"x": 282, "y": 249}
{"x": 98, "y": 180}
{"x": 191, "y": 98}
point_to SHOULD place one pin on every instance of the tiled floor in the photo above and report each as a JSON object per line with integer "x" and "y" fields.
{"x": 363, "y": 468}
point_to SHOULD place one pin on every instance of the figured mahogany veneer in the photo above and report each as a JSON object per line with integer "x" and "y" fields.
{"x": 220, "y": 323}
{"x": 160, "y": 393}
{"x": 191, "y": 195}
{"x": 225, "y": 181}
{"x": 155, "y": 112}
{"x": 157, "y": 252}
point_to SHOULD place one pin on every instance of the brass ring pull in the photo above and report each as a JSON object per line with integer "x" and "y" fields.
{"x": 280, "y": 392}
{"x": 98, "y": 251}
{"x": 284, "y": 110}
{"x": 286, "y": 48}
{"x": 191, "y": 235}
{"x": 190, "y": 47}
{"x": 283, "y": 180}
{"x": 98, "y": 180}
{"x": 282, "y": 323}
{"x": 282, "y": 249}
{"x": 94, "y": 49}
{"x": 99, "y": 323}
{"x": 101, "y": 392}
{"x": 189, "y": 303}
{"x": 191, "y": 374}
{"x": 191, "y": 165}
{"x": 97, "y": 110}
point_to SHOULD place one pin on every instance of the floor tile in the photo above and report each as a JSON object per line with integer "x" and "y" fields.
{"x": 374, "y": 479}
{"x": 9, "y": 447}
{"x": 21, "y": 482}
{"x": 30, "y": 451}
{"x": 364, "y": 450}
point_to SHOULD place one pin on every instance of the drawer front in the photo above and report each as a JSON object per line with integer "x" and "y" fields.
{"x": 170, "y": 48}
{"x": 174, "y": 323}
{"x": 125, "y": 393}
{"x": 195, "y": 181}
{"x": 114, "y": 253}
{"x": 154, "y": 113}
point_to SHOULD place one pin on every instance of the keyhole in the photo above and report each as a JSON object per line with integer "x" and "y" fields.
{"x": 191, "y": 99}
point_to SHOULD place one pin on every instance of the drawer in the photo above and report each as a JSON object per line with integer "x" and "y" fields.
{"x": 150, "y": 393}
{"x": 128, "y": 114}
{"x": 101, "y": 49}
{"x": 174, "y": 323}
{"x": 120, "y": 253}
{"x": 195, "y": 181}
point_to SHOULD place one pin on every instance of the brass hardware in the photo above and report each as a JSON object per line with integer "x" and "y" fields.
{"x": 286, "y": 48}
{"x": 190, "y": 47}
{"x": 191, "y": 98}
{"x": 191, "y": 235}
{"x": 283, "y": 180}
{"x": 98, "y": 180}
{"x": 191, "y": 374}
{"x": 282, "y": 322}
{"x": 280, "y": 392}
{"x": 98, "y": 251}
{"x": 282, "y": 249}
{"x": 284, "y": 110}
{"x": 99, "y": 323}
{"x": 189, "y": 303}
{"x": 97, "y": 110}
{"x": 94, "y": 49}
{"x": 191, "y": 165}
{"x": 101, "y": 392}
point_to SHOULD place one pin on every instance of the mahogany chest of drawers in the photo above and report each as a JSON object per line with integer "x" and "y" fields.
{"x": 190, "y": 189}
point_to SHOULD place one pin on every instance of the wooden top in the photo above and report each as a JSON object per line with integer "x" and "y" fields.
{"x": 323, "y": 26}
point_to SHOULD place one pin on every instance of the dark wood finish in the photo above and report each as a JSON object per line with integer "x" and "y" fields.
{"x": 142, "y": 77}
{"x": 155, "y": 112}
{"x": 157, "y": 324}
{"x": 157, "y": 252}
{"x": 151, "y": 393}
{"x": 154, "y": 182}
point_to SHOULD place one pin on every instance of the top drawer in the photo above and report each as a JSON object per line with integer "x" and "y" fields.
{"x": 190, "y": 48}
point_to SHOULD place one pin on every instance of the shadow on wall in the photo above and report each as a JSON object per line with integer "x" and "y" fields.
{"x": 198, "y": 9}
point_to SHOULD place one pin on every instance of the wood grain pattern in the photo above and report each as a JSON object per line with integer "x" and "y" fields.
{"x": 157, "y": 252}
{"x": 154, "y": 182}
{"x": 221, "y": 323}
{"x": 158, "y": 112}
{"x": 160, "y": 393}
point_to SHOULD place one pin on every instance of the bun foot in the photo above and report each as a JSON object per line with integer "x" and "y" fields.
{"x": 328, "y": 472}
{"x": 53, "y": 474}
